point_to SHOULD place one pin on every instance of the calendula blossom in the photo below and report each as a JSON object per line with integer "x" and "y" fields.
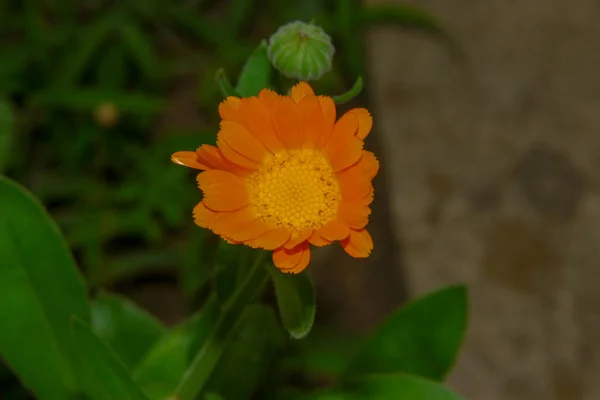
{"x": 285, "y": 174}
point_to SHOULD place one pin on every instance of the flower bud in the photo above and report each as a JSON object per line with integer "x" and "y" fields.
{"x": 301, "y": 51}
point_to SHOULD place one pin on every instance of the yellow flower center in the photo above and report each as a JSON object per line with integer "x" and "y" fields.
{"x": 297, "y": 191}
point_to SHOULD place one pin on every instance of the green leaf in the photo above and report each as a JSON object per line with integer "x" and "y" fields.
{"x": 350, "y": 94}
{"x": 204, "y": 325}
{"x": 200, "y": 26}
{"x": 296, "y": 301}
{"x": 112, "y": 68}
{"x": 140, "y": 49}
{"x": 224, "y": 84}
{"x": 256, "y": 73}
{"x": 103, "y": 366}
{"x": 88, "y": 99}
{"x": 423, "y": 338}
{"x": 202, "y": 366}
{"x": 251, "y": 346}
{"x": 7, "y": 126}
{"x": 322, "y": 354}
{"x": 41, "y": 289}
{"x": 126, "y": 328}
{"x": 386, "y": 387}
{"x": 89, "y": 40}
{"x": 231, "y": 264}
{"x": 164, "y": 365}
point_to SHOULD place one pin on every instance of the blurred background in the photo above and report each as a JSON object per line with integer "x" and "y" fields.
{"x": 486, "y": 124}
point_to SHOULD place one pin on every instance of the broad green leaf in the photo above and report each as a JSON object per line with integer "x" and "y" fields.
{"x": 386, "y": 387}
{"x": 423, "y": 338}
{"x": 165, "y": 363}
{"x": 250, "y": 348}
{"x": 41, "y": 290}
{"x": 256, "y": 73}
{"x": 88, "y": 99}
{"x": 7, "y": 126}
{"x": 296, "y": 301}
{"x": 322, "y": 354}
{"x": 127, "y": 329}
{"x": 103, "y": 366}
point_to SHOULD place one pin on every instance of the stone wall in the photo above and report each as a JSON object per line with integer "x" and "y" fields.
{"x": 492, "y": 166}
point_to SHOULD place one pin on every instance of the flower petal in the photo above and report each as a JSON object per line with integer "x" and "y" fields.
{"x": 228, "y": 109}
{"x": 270, "y": 240}
{"x": 359, "y": 244}
{"x": 223, "y": 191}
{"x": 318, "y": 240}
{"x": 233, "y": 156}
{"x": 349, "y": 155}
{"x": 292, "y": 260}
{"x": 268, "y": 97}
{"x": 300, "y": 91}
{"x": 250, "y": 231}
{"x": 287, "y": 123}
{"x": 354, "y": 184}
{"x": 354, "y": 214}
{"x": 188, "y": 159}
{"x": 242, "y": 141}
{"x": 365, "y": 122}
{"x": 257, "y": 119}
{"x": 211, "y": 157}
{"x": 343, "y": 130}
{"x": 369, "y": 164}
{"x": 297, "y": 238}
{"x": 329, "y": 114}
{"x": 313, "y": 120}
{"x": 227, "y": 223}
{"x": 203, "y": 215}
{"x": 334, "y": 230}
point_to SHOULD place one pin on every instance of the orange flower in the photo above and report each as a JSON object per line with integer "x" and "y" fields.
{"x": 285, "y": 174}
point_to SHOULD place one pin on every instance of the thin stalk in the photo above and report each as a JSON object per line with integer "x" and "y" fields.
{"x": 195, "y": 378}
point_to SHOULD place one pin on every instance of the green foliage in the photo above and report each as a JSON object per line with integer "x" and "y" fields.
{"x": 41, "y": 289}
{"x": 256, "y": 73}
{"x": 384, "y": 387}
{"x": 108, "y": 376}
{"x": 127, "y": 329}
{"x": 296, "y": 302}
{"x": 253, "y": 343}
{"x": 89, "y": 117}
{"x": 422, "y": 338}
{"x": 165, "y": 363}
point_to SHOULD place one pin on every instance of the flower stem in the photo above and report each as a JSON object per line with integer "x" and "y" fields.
{"x": 196, "y": 376}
